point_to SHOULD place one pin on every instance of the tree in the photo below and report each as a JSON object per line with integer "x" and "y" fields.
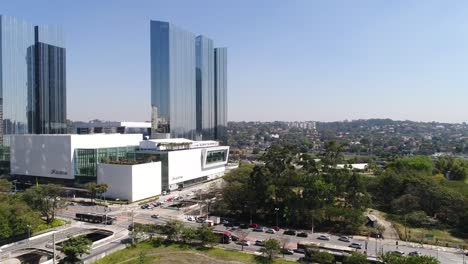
{"x": 101, "y": 188}
{"x": 92, "y": 189}
{"x": 173, "y": 229}
{"x": 206, "y": 236}
{"x": 242, "y": 235}
{"x": 5, "y": 185}
{"x": 356, "y": 258}
{"x": 188, "y": 235}
{"x": 271, "y": 248}
{"x": 322, "y": 257}
{"x": 75, "y": 247}
{"x": 46, "y": 199}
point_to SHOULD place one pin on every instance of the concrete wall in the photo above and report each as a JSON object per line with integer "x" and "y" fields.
{"x": 53, "y": 155}
{"x": 42, "y": 156}
{"x": 131, "y": 182}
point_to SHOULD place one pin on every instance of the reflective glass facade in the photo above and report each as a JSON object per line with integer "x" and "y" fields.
{"x": 220, "y": 94}
{"x": 86, "y": 159}
{"x": 173, "y": 93}
{"x": 16, "y": 75}
{"x": 205, "y": 87}
{"x": 32, "y": 79}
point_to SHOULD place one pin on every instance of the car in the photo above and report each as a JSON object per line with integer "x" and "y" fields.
{"x": 300, "y": 250}
{"x": 145, "y": 206}
{"x": 344, "y": 239}
{"x": 356, "y": 245}
{"x": 191, "y": 218}
{"x": 234, "y": 238}
{"x": 324, "y": 237}
{"x": 415, "y": 254}
{"x": 276, "y": 228}
{"x": 397, "y": 252}
{"x": 260, "y": 242}
{"x": 155, "y": 216}
{"x": 289, "y": 232}
{"x": 228, "y": 224}
{"x": 244, "y": 226}
{"x": 244, "y": 243}
{"x": 287, "y": 251}
{"x": 259, "y": 229}
{"x": 271, "y": 231}
{"x": 254, "y": 225}
{"x": 236, "y": 224}
{"x": 302, "y": 234}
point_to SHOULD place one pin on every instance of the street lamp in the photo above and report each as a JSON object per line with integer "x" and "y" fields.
{"x": 276, "y": 211}
{"x": 29, "y": 234}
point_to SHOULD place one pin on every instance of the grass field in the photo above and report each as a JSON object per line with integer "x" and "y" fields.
{"x": 147, "y": 253}
{"x": 416, "y": 234}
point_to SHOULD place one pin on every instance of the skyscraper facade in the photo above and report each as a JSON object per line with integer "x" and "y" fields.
{"x": 220, "y": 94}
{"x": 32, "y": 79}
{"x": 205, "y": 87}
{"x": 185, "y": 101}
{"x": 173, "y": 95}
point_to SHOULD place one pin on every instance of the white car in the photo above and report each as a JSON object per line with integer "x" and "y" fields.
{"x": 270, "y": 231}
{"x": 324, "y": 237}
{"x": 244, "y": 243}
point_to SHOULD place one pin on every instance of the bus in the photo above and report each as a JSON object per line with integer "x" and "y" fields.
{"x": 96, "y": 218}
{"x": 225, "y": 237}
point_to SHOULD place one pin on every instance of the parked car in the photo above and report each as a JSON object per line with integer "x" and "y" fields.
{"x": 302, "y": 234}
{"x": 290, "y": 232}
{"x": 397, "y": 252}
{"x": 145, "y": 206}
{"x": 155, "y": 216}
{"x": 344, "y": 239}
{"x": 244, "y": 243}
{"x": 299, "y": 250}
{"x": 259, "y": 229}
{"x": 276, "y": 228}
{"x": 415, "y": 254}
{"x": 355, "y": 245}
{"x": 228, "y": 224}
{"x": 287, "y": 251}
{"x": 324, "y": 237}
{"x": 271, "y": 231}
{"x": 191, "y": 218}
{"x": 244, "y": 226}
{"x": 234, "y": 238}
{"x": 254, "y": 225}
{"x": 260, "y": 242}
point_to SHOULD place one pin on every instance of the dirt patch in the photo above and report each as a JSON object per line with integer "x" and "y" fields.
{"x": 390, "y": 232}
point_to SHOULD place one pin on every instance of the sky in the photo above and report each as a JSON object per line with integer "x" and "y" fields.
{"x": 287, "y": 60}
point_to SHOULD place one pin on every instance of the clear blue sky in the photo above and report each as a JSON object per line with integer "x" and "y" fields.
{"x": 288, "y": 60}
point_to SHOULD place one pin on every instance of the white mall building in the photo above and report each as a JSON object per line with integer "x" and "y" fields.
{"x": 133, "y": 169}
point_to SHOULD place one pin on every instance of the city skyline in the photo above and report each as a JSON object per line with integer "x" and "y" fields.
{"x": 320, "y": 61}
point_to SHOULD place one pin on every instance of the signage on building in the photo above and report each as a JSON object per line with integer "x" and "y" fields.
{"x": 58, "y": 172}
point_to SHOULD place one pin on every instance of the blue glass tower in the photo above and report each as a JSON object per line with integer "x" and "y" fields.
{"x": 220, "y": 94}
{"x": 32, "y": 79}
{"x": 205, "y": 87}
{"x": 173, "y": 95}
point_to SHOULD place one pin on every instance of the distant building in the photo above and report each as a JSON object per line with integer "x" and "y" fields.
{"x": 220, "y": 95}
{"x": 32, "y": 79}
{"x": 110, "y": 127}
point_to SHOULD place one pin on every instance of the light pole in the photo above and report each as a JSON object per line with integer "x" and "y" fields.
{"x": 276, "y": 211}
{"x": 29, "y": 234}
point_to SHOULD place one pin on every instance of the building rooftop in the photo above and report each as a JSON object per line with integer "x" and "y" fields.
{"x": 176, "y": 144}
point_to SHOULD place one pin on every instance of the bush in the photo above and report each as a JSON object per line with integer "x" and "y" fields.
{"x": 420, "y": 219}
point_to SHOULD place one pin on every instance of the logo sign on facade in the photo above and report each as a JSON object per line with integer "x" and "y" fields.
{"x": 58, "y": 172}
{"x": 177, "y": 178}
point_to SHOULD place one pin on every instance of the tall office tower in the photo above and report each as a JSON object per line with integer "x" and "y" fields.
{"x": 173, "y": 79}
{"x": 220, "y": 93}
{"x": 205, "y": 88}
{"x": 32, "y": 79}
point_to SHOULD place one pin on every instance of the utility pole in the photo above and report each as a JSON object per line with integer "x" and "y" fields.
{"x": 29, "y": 235}
{"x": 133, "y": 230}
{"x": 276, "y": 211}
{"x": 53, "y": 248}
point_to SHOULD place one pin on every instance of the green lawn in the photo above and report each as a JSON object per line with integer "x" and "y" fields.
{"x": 184, "y": 254}
{"x": 416, "y": 234}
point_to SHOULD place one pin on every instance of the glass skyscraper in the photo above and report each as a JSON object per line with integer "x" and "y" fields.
{"x": 188, "y": 84}
{"x": 205, "y": 87}
{"x": 32, "y": 79}
{"x": 220, "y": 94}
{"x": 173, "y": 95}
